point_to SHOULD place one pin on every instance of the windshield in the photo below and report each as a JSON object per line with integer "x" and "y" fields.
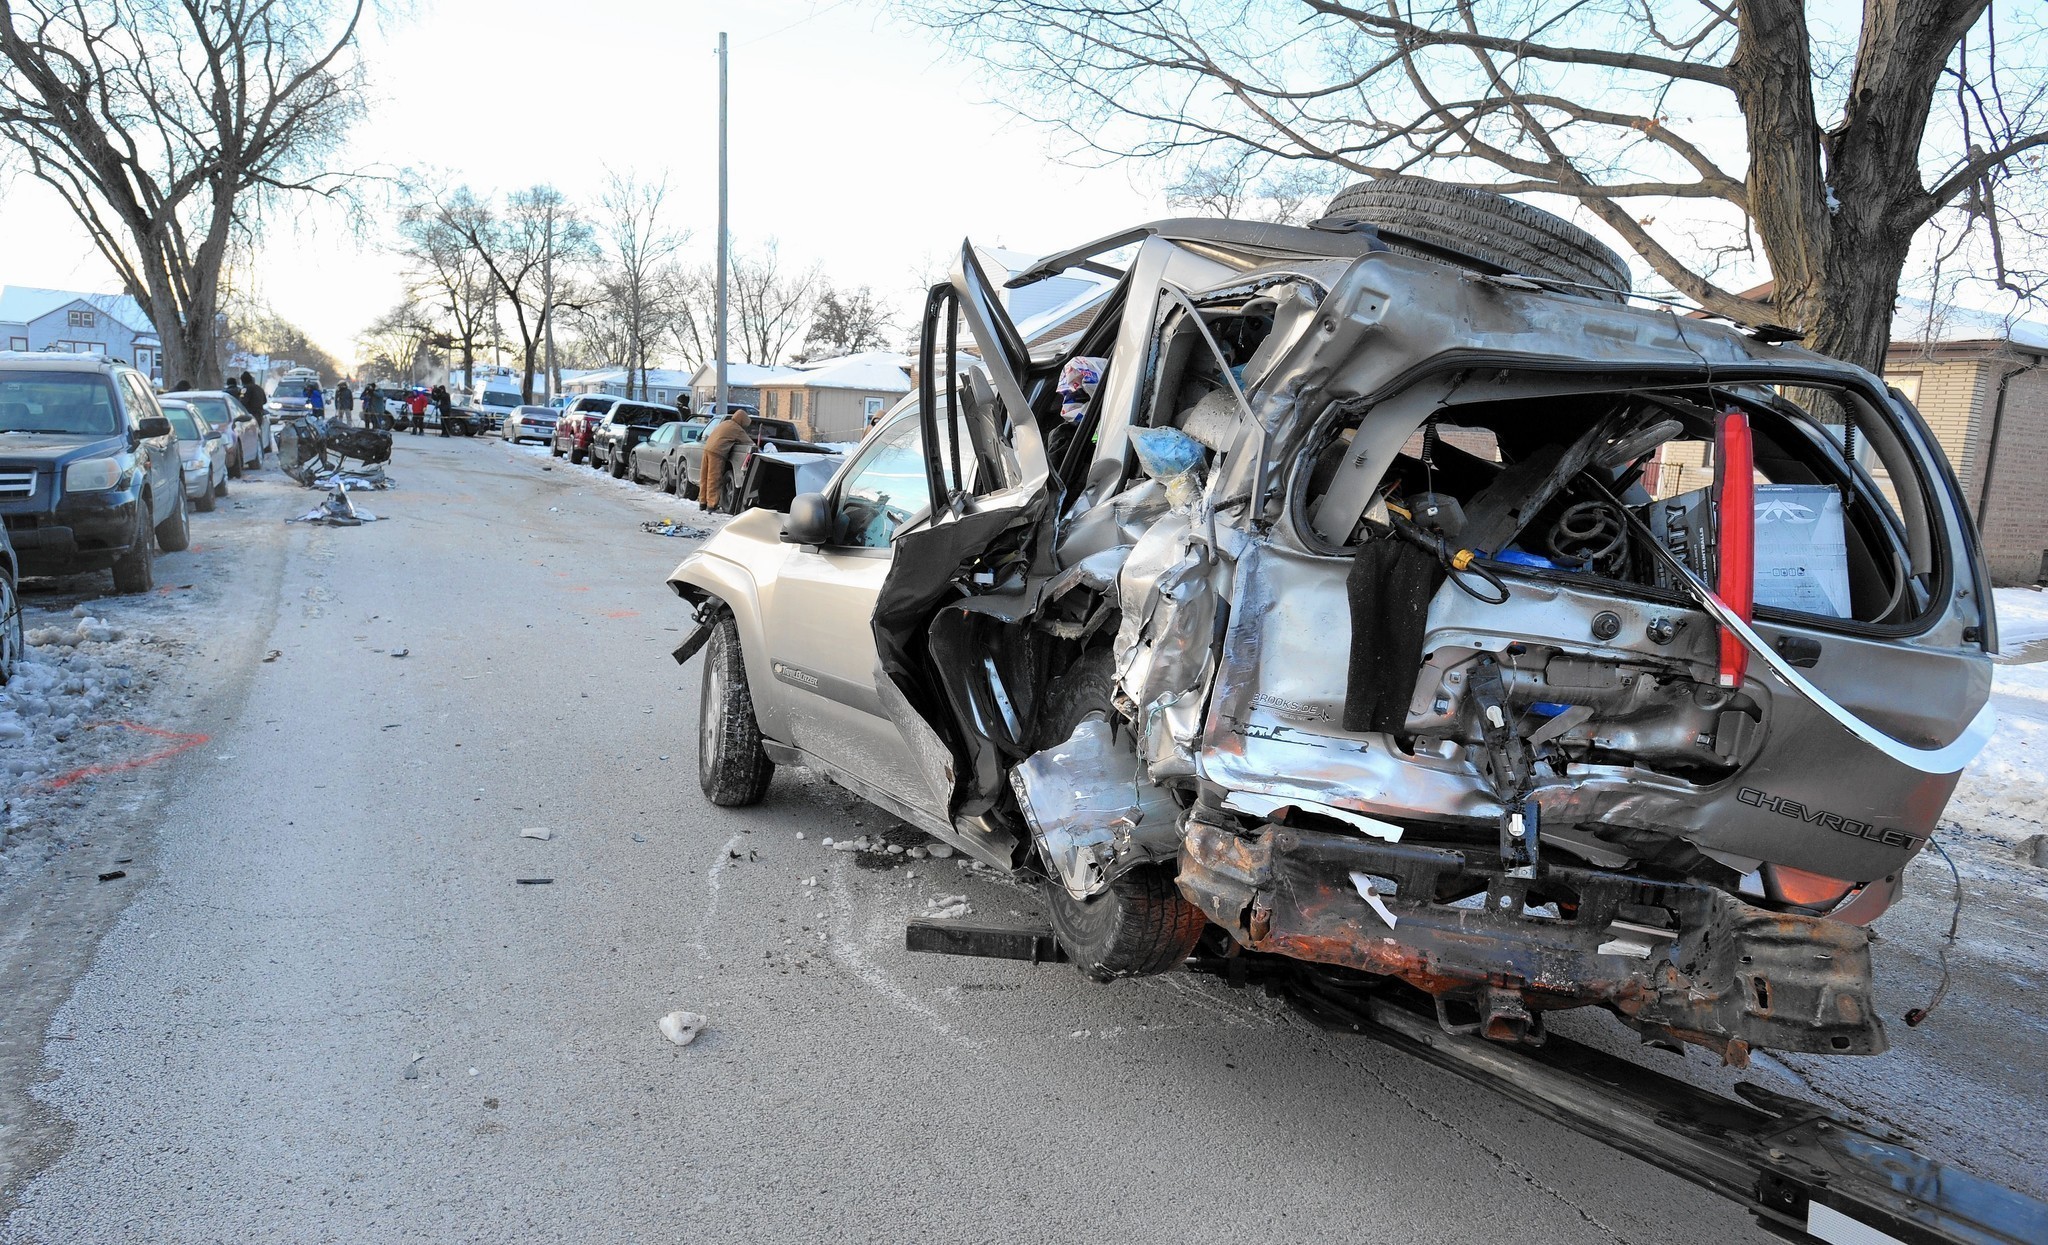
{"x": 214, "y": 409}
{"x": 181, "y": 423}
{"x": 57, "y": 402}
{"x": 497, "y": 397}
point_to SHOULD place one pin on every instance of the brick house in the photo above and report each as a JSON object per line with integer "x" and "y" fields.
{"x": 1981, "y": 383}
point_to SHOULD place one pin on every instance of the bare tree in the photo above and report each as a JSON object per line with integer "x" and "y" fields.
{"x": 397, "y": 340}
{"x": 444, "y": 273}
{"x": 1652, "y": 114}
{"x": 526, "y": 251}
{"x": 845, "y": 322}
{"x": 770, "y": 307}
{"x": 637, "y": 250}
{"x": 165, "y": 126}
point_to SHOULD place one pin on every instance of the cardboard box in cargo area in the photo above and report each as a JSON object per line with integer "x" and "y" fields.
{"x": 1802, "y": 557}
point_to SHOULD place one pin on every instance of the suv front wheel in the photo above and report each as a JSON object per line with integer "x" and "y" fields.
{"x": 136, "y": 570}
{"x": 732, "y": 766}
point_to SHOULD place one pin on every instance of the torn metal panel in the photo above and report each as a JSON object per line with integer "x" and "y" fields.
{"x": 1091, "y": 809}
{"x": 1675, "y": 960}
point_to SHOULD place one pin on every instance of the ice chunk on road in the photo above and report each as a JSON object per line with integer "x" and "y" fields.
{"x": 681, "y": 1027}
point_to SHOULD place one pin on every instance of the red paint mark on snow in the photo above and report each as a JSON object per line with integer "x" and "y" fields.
{"x": 178, "y": 742}
{"x": 622, "y": 613}
{"x": 578, "y": 587}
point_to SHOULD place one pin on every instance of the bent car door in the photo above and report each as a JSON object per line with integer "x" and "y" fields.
{"x": 976, "y": 555}
{"x": 821, "y": 645}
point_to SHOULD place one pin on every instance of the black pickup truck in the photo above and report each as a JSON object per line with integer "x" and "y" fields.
{"x": 768, "y": 434}
{"x": 626, "y": 425}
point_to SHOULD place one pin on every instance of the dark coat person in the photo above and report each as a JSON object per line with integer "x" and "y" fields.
{"x": 727, "y": 435}
{"x": 344, "y": 403}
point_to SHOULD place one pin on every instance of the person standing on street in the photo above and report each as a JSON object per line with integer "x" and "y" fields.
{"x": 443, "y": 402}
{"x": 726, "y": 436}
{"x": 315, "y": 400}
{"x": 253, "y": 400}
{"x": 344, "y": 403}
{"x": 373, "y": 406}
{"x": 419, "y": 412}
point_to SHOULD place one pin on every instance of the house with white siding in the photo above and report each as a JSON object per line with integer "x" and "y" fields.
{"x": 110, "y": 324}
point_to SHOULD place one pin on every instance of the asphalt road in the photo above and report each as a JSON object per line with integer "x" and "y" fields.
{"x": 329, "y": 1011}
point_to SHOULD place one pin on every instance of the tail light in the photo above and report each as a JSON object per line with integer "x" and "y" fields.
{"x": 1735, "y": 534}
{"x": 1802, "y": 889}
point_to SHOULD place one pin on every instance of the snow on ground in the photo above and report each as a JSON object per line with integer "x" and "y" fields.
{"x": 76, "y": 710}
{"x": 2003, "y": 795}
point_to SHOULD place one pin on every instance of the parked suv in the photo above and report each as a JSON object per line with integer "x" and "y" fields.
{"x": 576, "y": 424}
{"x": 624, "y": 426}
{"x": 89, "y": 470}
{"x": 1390, "y": 597}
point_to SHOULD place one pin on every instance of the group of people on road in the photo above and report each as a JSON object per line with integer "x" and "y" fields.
{"x": 246, "y": 391}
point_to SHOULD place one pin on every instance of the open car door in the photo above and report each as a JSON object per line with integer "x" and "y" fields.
{"x": 968, "y": 573}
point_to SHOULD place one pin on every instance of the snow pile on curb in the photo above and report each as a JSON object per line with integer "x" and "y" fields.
{"x": 79, "y": 669}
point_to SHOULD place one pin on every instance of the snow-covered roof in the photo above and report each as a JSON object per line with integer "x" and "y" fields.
{"x": 20, "y": 304}
{"x": 749, "y": 375}
{"x": 877, "y": 371}
{"x": 1917, "y": 321}
{"x": 658, "y": 377}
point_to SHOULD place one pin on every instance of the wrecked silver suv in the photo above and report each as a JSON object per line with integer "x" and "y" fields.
{"x": 1395, "y": 605}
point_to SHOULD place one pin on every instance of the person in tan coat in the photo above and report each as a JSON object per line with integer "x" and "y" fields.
{"x": 726, "y": 436}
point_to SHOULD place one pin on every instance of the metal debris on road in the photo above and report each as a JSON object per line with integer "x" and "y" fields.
{"x": 534, "y": 881}
{"x": 669, "y": 527}
{"x": 336, "y": 511}
{"x": 273, "y": 654}
{"x": 681, "y": 1027}
{"x": 110, "y": 876}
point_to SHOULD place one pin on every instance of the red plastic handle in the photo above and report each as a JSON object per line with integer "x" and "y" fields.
{"x": 1735, "y": 533}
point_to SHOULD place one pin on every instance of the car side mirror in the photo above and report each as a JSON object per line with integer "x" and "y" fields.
{"x": 150, "y": 426}
{"x": 809, "y": 521}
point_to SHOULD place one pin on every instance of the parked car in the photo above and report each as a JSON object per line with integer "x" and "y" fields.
{"x": 12, "y": 643}
{"x": 90, "y": 477}
{"x": 1401, "y": 603}
{"x": 288, "y": 392}
{"x": 767, "y": 434}
{"x": 202, "y": 454}
{"x": 238, "y": 428}
{"x": 624, "y": 426}
{"x": 529, "y": 423}
{"x": 579, "y": 420}
{"x": 460, "y": 422}
{"x": 659, "y": 457}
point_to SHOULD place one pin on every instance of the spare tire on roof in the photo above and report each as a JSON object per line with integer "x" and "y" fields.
{"x": 1493, "y": 229}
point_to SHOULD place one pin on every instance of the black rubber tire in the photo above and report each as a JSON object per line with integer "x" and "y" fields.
{"x": 687, "y": 490}
{"x": 554, "y": 448}
{"x": 616, "y": 464}
{"x": 206, "y": 502}
{"x": 221, "y": 489}
{"x": 235, "y": 464}
{"x": 174, "y": 535}
{"x": 1495, "y": 230}
{"x": 576, "y": 456}
{"x": 12, "y": 643}
{"x": 668, "y": 482}
{"x": 1142, "y": 924}
{"x": 732, "y": 767}
{"x": 136, "y": 571}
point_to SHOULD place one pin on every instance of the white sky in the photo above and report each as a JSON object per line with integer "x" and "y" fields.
{"x": 856, "y": 140}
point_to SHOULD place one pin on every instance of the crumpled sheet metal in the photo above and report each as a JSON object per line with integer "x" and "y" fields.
{"x": 1163, "y": 650}
{"x": 336, "y": 511}
{"x": 1091, "y": 810}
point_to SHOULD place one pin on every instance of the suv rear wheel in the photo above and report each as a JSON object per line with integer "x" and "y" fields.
{"x": 1142, "y": 924}
{"x": 618, "y": 463}
{"x": 732, "y": 766}
{"x": 136, "y": 571}
{"x": 173, "y": 535}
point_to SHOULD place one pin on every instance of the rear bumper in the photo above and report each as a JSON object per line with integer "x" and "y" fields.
{"x": 1675, "y": 960}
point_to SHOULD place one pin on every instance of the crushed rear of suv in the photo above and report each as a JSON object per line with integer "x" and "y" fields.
{"x": 1391, "y": 597}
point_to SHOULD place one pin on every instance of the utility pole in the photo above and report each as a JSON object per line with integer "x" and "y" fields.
{"x": 724, "y": 233}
